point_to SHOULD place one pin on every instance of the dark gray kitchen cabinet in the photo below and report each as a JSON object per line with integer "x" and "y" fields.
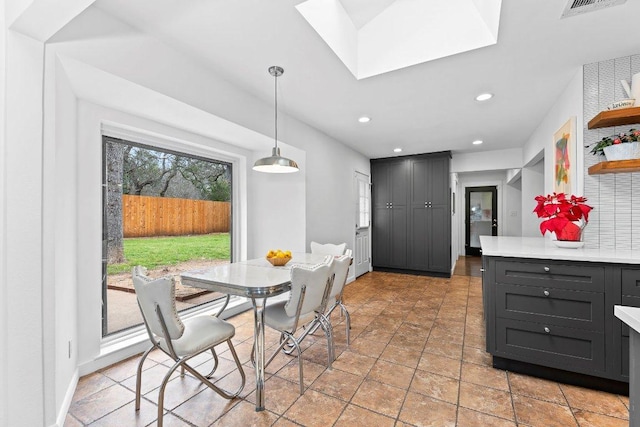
{"x": 558, "y": 314}
{"x": 411, "y": 224}
{"x": 389, "y": 220}
{"x": 430, "y": 245}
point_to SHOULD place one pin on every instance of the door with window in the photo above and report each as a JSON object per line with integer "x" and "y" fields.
{"x": 481, "y": 216}
{"x": 361, "y": 255}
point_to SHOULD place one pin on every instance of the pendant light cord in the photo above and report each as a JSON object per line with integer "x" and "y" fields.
{"x": 276, "y": 98}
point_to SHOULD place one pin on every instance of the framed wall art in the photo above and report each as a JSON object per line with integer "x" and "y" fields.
{"x": 564, "y": 149}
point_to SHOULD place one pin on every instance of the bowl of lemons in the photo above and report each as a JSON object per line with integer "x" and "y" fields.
{"x": 278, "y": 258}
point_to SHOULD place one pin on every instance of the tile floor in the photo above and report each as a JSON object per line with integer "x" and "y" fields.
{"x": 416, "y": 359}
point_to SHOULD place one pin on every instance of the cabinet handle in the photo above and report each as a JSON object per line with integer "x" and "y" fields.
{"x": 546, "y": 269}
{"x": 547, "y": 330}
{"x": 482, "y": 270}
{"x": 546, "y": 293}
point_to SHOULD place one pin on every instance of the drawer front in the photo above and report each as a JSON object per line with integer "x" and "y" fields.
{"x": 560, "y": 307}
{"x": 564, "y": 348}
{"x": 551, "y": 273}
{"x": 631, "y": 282}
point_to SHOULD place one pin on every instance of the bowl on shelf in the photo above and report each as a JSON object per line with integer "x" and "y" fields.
{"x": 623, "y": 103}
{"x": 623, "y": 151}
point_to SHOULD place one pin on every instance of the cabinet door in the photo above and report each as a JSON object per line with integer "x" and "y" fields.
{"x": 381, "y": 237}
{"x": 399, "y": 182}
{"x": 438, "y": 181}
{"x": 399, "y": 236}
{"x": 420, "y": 238}
{"x": 381, "y": 188}
{"x": 439, "y": 238}
{"x": 420, "y": 182}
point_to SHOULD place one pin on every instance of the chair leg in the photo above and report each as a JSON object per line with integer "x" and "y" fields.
{"x": 215, "y": 363}
{"x": 162, "y": 388}
{"x": 139, "y": 376}
{"x": 325, "y": 324}
{"x": 297, "y": 346}
{"x": 347, "y": 321}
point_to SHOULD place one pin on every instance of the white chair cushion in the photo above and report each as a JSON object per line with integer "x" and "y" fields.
{"x": 276, "y": 317}
{"x": 328, "y": 248}
{"x": 340, "y": 270}
{"x": 200, "y": 333}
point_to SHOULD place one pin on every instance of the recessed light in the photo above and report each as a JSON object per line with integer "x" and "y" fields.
{"x": 484, "y": 96}
{"x": 477, "y": 142}
{"x": 397, "y": 150}
{"x": 364, "y": 119}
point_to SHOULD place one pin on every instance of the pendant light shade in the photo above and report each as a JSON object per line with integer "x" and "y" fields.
{"x": 275, "y": 163}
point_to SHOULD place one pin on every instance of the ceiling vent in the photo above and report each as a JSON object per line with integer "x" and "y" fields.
{"x": 577, "y": 7}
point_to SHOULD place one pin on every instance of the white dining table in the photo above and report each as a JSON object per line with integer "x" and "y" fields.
{"x": 258, "y": 280}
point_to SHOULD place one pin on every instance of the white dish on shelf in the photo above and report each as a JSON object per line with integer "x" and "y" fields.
{"x": 568, "y": 244}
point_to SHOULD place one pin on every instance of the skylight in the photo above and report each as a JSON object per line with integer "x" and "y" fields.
{"x": 372, "y": 37}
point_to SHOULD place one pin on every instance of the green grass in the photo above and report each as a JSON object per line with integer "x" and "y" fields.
{"x": 153, "y": 252}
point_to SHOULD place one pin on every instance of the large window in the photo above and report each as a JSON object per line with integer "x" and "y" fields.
{"x": 167, "y": 211}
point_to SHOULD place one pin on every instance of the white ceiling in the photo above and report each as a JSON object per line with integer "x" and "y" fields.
{"x": 422, "y": 108}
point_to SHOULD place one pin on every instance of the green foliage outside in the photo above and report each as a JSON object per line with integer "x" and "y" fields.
{"x": 153, "y": 252}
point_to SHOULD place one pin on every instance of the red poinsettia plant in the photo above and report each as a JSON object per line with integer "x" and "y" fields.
{"x": 562, "y": 213}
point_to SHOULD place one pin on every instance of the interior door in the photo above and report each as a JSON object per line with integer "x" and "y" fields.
{"x": 362, "y": 255}
{"x": 481, "y": 216}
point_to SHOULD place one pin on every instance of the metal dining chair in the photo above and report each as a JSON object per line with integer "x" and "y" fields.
{"x": 309, "y": 288}
{"x": 341, "y": 271}
{"x": 328, "y": 248}
{"x": 180, "y": 340}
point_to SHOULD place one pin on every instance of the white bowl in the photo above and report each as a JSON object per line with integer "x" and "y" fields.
{"x": 623, "y": 103}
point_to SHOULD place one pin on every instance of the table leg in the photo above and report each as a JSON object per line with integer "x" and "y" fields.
{"x": 258, "y": 343}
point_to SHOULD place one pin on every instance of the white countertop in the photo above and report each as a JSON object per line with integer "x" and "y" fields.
{"x": 543, "y": 248}
{"x": 629, "y": 315}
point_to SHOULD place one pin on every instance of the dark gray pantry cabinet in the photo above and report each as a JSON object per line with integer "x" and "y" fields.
{"x": 411, "y": 221}
{"x": 554, "y": 318}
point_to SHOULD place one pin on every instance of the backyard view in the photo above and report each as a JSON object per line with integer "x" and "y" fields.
{"x": 167, "y": 212}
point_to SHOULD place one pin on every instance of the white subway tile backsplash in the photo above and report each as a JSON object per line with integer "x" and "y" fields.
{"x": 615, "y": 219}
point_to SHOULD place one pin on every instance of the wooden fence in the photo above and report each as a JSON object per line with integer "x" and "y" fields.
{"x": 144, "y": 216}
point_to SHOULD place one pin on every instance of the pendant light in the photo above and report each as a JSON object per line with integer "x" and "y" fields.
{"x": 275, "y": 163}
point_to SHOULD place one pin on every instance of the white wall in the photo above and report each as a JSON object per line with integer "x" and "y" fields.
{"x": 487, "y": 160}
{"x": 568, "y": 105}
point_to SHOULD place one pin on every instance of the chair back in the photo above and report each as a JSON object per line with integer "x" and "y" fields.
{"x": 340, "y": 270}
{"x": 328, "y": 248}
{"x": 152, "y": 293}
{"x": 315, "y": 279}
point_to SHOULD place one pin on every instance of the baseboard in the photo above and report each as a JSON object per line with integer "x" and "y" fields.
{"x": 68, "y": 398}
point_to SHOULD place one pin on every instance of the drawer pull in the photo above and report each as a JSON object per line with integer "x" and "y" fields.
{"x": 546, "y": 293}
{"x": 546, "y": 269}
{"x": 547, "y": 330}
{"x": 482, "y": 270}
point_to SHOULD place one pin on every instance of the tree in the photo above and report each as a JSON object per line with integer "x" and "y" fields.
{"x": 114, "y": 153}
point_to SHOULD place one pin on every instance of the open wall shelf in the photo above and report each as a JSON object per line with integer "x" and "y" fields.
{"x": 618, "y": 166}
{"x": 623, "y": 116}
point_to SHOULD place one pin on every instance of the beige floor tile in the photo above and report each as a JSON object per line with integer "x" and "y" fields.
{"x": 381, "y": 398}
{"x": 444, "y": 348}
{"x": 436, "y": 386}
{"x": 391, "y": 374}
{"x": 440, "y": 365}
{"x": 305, "y": 410}
{"x": 595, "y": 401}
{"x": 354, "y": 363}
{"x": 100, "y": 403}
{"x": 354, "y": 416}
{"x": 128, "y": 416}
{"x": 204, "y": 408}
{"x": 476, "y": 355}
{"x": 590, "y": 419}
{"x": 536, "y": 413}
{"x": 367, "y": 347}
{"x": 537, "y": 388}
{"x": 486, "y": 400}
{"x": 422, "y": 411}
{"x": 244, "y": 414}
{"x": 469, "y": 418}
{"x": 485, "y": 376}
{"x": 401, "y": 355}
{"x": 337, "y": 383}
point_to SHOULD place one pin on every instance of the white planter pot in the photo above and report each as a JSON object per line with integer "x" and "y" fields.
{"x": 624, "y": 151}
